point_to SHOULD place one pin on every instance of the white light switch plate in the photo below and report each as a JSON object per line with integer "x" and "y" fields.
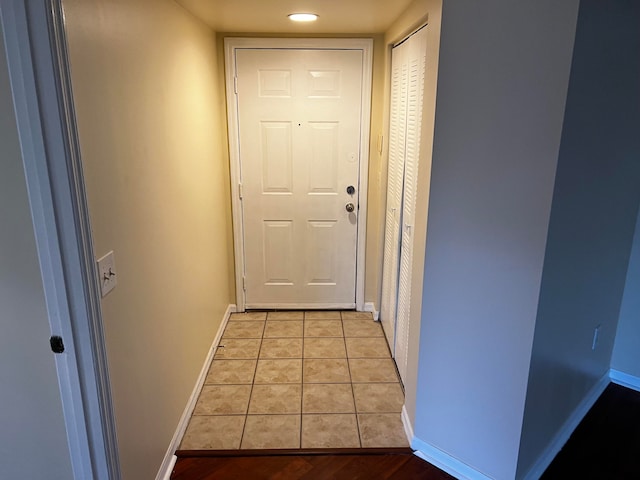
{"x": 107, "y": 273}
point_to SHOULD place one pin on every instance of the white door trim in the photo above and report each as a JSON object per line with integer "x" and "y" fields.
{"x": 231, "y": 45}
{"x": 39, "y": 73}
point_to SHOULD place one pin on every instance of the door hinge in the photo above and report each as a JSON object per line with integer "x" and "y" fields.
{"x": 244, "y": 284}
{"x": 240, "y": 190}
{"x": 235, "y": 85}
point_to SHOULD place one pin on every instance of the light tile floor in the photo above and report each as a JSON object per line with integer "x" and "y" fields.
{"x": 287, "y": 380}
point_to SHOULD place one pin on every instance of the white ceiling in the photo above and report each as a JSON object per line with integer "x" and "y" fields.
{"x": 270, "y": 16}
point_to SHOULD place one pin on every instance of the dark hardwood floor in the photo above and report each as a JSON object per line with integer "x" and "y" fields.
{"x": 393, "y": 466}
{"x": 606, "y": 445}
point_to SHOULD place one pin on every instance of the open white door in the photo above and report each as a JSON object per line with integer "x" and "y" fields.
{"x": 36, "y": 57}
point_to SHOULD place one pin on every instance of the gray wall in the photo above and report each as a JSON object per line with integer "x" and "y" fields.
{"x": 503, "y": 78}
{"x": 626, "y": 356}
{"x": 595, "y": 203}
{"x": 626, "y": 351}
{"x": 33, "y": 443}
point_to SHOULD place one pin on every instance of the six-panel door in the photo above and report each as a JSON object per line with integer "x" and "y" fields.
{"x": 299, "y": 122}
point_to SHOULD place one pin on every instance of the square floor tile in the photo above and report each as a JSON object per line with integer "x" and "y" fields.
{"x": 275, "y": 399}
{"x": 379, "y": 430}
{"x": 283, "y": 329}
{"x": 238, "y": 348}
{"x": 327, "y": 398}
{"x": 285, "y": 316}
{"x": 367, "y": 348}
{"x": 271, "y": 432}
{"x": 323, "y": 328}
{"x": 322, "y": 315}
{"x": 372, "y": 370}
{"x": 357, "y": 316}
{"x": 330, "y": 431}
{"x": 324, "y": 348}
{"x": 223, "y": 400}
{"x": 248, "y": 316}
{"x": 333, "y": 370}
{"x": 362, "y": 328}
{"x": 234, "y": 372}
{"x": 281, "y": 348}
{"x": 213, "y": 433}
{"x": 279, "y": 371}
{"x": 245, "y": 329}
{"x": 378, "y": 397}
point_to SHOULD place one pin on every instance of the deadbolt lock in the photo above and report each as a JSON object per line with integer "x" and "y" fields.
{"x": 351, "y": 190}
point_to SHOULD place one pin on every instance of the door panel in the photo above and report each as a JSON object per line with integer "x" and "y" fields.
{"x": 395, "y": 187}
{"x": 417, "y": 64}
{"x": 321, "y": 259}
{"x": 408, "y": 75}
{"x": 278, "y": 242}
{"x": 277, "y": 161}
{"x": 299, "y": 133}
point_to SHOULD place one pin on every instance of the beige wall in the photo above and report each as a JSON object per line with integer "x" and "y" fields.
{"x": 377, "y": 177}
{"x": 417, "y": 14}
{"x": 151, "y": 125}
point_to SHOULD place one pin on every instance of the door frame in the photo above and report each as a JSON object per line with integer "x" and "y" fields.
{"x": 37, "y": 58}
{"x": 231, "y": 45}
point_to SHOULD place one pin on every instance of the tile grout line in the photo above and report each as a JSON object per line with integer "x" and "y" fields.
{"x": 353, "y": 395}
{"x": 255, "y": 371}
{"x": 304, "y": 319}
{"x": 286, "y": 358}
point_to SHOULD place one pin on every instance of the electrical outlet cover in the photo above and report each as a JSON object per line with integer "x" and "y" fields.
{"x": 596, "y": 337}
{"x": 107, "y": 273}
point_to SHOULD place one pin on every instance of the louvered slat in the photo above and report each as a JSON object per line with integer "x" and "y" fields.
{"x": 417, "y": 65}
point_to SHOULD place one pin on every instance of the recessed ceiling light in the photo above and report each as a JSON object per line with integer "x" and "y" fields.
{"x": 303, "y": 17}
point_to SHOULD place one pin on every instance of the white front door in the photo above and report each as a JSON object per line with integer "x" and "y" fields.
{"x": 299, "y": 114}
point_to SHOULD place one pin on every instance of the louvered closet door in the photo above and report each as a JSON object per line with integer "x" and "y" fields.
{"x": 395, "y": 182}
{"x": 417, "y": 64}
{"x": 407, "y": 90}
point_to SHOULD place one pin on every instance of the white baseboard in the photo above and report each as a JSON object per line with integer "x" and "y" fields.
{"x": 437, "y": 457}
{"x": 169, "y": 469}
{"x": 446, "y": 462}
{"x": 567, "y": 429}
{"x": 462, "y": 471}
{"x": 170, "y": 459}
{"x": 624, "y": 379}
{"x": 371, "y": 307}
{"x": 406, "y": 423}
